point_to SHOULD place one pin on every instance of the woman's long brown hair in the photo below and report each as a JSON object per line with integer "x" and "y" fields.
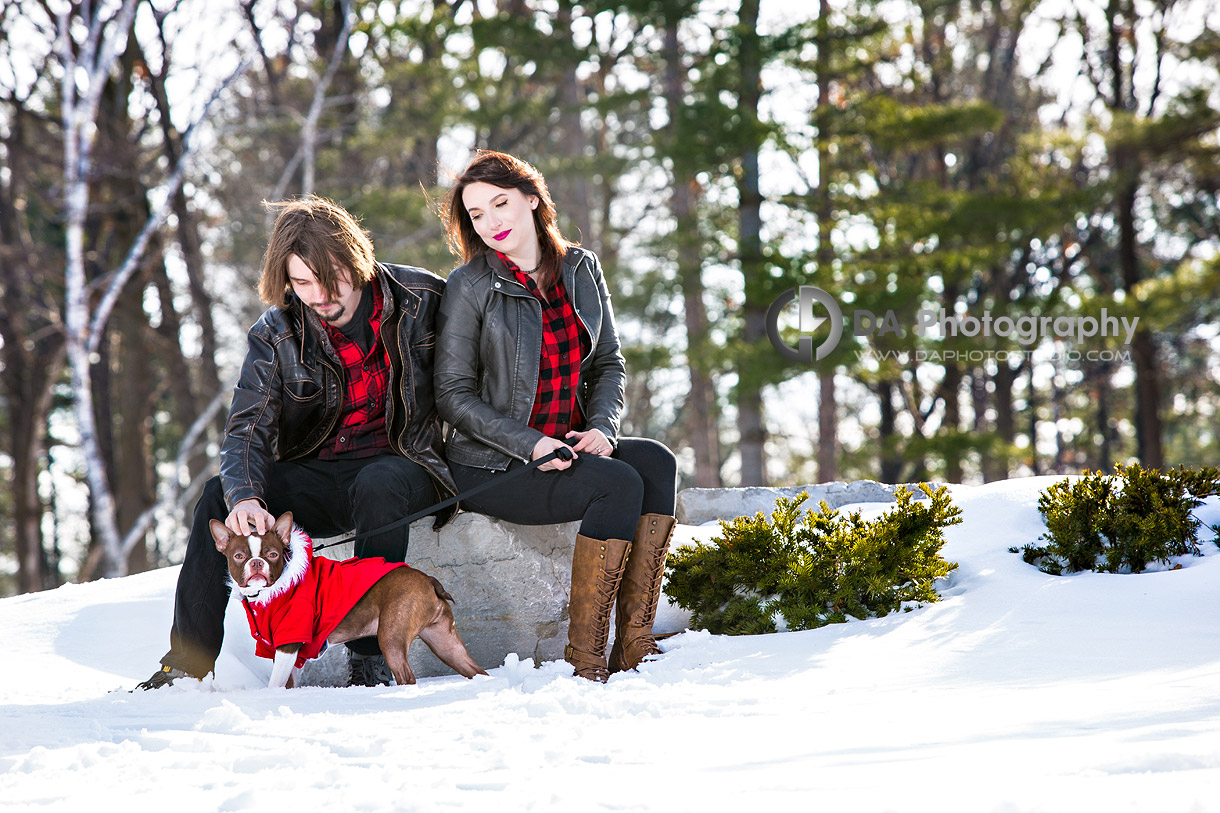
{"x": 506, "y": 172}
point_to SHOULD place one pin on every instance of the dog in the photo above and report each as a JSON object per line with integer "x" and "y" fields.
{"x": 297, "y": 603}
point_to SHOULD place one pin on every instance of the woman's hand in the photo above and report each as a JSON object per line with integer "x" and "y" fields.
{"x": 593, "y": 442}
{"x": 544, "y": 447}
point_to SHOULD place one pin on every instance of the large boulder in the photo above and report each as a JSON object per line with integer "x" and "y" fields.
{"x": 699, "y": 505}
{"x": 511, "y": 583}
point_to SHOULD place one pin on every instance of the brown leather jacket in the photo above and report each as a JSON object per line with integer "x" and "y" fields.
{"x": 289, "y": 395}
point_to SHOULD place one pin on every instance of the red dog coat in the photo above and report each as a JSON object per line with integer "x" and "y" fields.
{"x": 310, "y": 598}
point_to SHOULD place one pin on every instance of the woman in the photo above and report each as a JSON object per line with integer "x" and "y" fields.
{"x": 527, "y": 361}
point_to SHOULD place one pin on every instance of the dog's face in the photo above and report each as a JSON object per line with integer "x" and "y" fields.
{"x": 255, "y": 561}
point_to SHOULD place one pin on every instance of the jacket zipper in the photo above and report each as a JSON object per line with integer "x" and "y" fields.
{"x": 401, "y": 441}
{"x": 576, "y": 311}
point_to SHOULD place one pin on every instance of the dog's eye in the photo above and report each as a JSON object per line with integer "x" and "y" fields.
{"x": 272, "y": 554}
{"x": 239, "y": 556}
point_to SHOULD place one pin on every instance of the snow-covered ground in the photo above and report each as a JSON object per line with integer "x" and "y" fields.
{"x": 1019, "y": 692}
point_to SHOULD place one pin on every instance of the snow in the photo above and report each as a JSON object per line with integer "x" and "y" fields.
{"x": 1019, "y": 691}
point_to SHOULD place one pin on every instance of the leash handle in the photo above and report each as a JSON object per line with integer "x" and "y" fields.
{"x": 562, "y": 453}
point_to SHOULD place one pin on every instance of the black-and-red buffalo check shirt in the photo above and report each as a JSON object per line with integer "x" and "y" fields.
{"x": 361, "y": 431}
{"x": 564, "y": 343}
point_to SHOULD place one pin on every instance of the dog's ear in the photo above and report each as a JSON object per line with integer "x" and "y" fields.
{"x": 221, "y": 534}
{"x": 283, "y": 526}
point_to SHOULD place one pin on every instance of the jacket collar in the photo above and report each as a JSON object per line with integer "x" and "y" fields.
{"x": 570, "y": 261}
{"x": 388, "y": 307}
{"x": 498, "y": 267}
{"x": 311, "y": 330}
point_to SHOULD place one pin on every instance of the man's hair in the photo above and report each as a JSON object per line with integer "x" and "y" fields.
{"x": 324, "y": 235}
{"x": 507, "y": 172}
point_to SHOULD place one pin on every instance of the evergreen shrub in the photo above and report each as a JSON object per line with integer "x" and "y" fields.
{"x": 806, "y": 569}
{"x": 1122, "y": 522}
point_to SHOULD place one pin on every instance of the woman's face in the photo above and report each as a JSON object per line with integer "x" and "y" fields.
{"x": 504, "y": 218}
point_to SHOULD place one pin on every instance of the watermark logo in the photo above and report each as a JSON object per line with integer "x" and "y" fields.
{"x": 933, "y": 323}
{"x": 807, "y": 323}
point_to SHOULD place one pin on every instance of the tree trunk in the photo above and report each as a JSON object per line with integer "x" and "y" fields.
{"x": 750, "y": 424}
{"x": 34, "y": 381}
{"x": 1148, "y": 428}
{"x": 134, "y": 378}
{"x": 574, "y": 200}
{"x": 188, "y": 400}
{"x": 1105, "y": 454}
{"x": 207, "y": 381}
{"x": 1127, "y": 170}
{"x": 891, "y": 460}
{"x": 998, "y": 466}
{"x": 828, "y": 417}
{"x": 700, "y": 403}
{"x": 31, "y": 354}
{"x": 1031, "y": 415}
{"x": 951, "y": 386}
{"x": 828, "y": 428}
{"x": 80, "y": 118}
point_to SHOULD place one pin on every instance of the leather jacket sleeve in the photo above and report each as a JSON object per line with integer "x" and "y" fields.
{"x": 249, "y": 444}
{"x": 605, "y": 378}
{"x": 458, "y": 370}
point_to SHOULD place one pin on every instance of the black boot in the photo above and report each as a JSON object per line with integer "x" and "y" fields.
{"x": 165, "y": 676}
{"x": 368, "y": 670}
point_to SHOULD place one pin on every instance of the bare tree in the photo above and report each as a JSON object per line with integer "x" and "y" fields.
{"x": 304, "y": 159}
{"x": 86, "y": 67}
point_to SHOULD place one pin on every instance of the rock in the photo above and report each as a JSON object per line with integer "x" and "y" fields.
{"x": 699, "y": 505}
{"x": 510, "y": 583}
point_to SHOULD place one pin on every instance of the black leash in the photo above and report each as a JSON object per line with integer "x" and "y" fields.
{"x": 562, "y": 453}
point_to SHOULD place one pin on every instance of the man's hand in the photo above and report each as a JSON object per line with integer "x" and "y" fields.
{"x": 544, "y": 447}
{"x": 248, "y": 517}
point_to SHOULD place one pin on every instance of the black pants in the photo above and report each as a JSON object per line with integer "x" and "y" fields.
{"x": 607, "y": 494}
{"x": 326, "y": 498}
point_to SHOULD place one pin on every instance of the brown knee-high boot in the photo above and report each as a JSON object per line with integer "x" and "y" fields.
{"x": 597, "y": 569}
{"x": 640, "y": 593}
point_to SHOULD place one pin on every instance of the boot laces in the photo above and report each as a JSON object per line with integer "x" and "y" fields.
{"x": 607, "y": 583}
{"x": 656, "y": 558}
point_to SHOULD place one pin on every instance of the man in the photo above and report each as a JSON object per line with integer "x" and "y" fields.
{"x": 332, "y": 419}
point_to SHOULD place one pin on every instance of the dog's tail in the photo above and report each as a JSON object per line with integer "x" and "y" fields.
{"x": 440, "y": 590}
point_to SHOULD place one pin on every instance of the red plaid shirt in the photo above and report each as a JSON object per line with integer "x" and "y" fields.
{"x": 564, "y": 343}
{"x": 361, "y": 431}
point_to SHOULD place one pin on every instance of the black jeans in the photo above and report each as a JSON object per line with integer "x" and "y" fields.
{"x": 607, "y": 494}
{"x": 326, "y": 498}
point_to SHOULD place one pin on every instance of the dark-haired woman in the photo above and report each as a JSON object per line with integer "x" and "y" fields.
{"x": 528, "y": 360}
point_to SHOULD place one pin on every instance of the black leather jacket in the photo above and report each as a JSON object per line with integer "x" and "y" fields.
{"x": 289, "y": 396}
{"x": 489, "y": 344}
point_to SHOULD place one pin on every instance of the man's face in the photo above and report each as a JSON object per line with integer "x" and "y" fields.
{"x": 334, "y": 310}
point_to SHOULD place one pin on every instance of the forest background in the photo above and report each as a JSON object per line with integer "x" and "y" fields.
{"x": 986, "y": 157}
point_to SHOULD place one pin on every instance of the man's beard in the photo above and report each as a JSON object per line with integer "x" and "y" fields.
{"x": 334, "y": 315}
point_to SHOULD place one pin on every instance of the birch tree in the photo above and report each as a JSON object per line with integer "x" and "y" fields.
{"x": 90, "y": 41}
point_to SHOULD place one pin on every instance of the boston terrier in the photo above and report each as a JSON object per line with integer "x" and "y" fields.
{"x": 297, "y": 603}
